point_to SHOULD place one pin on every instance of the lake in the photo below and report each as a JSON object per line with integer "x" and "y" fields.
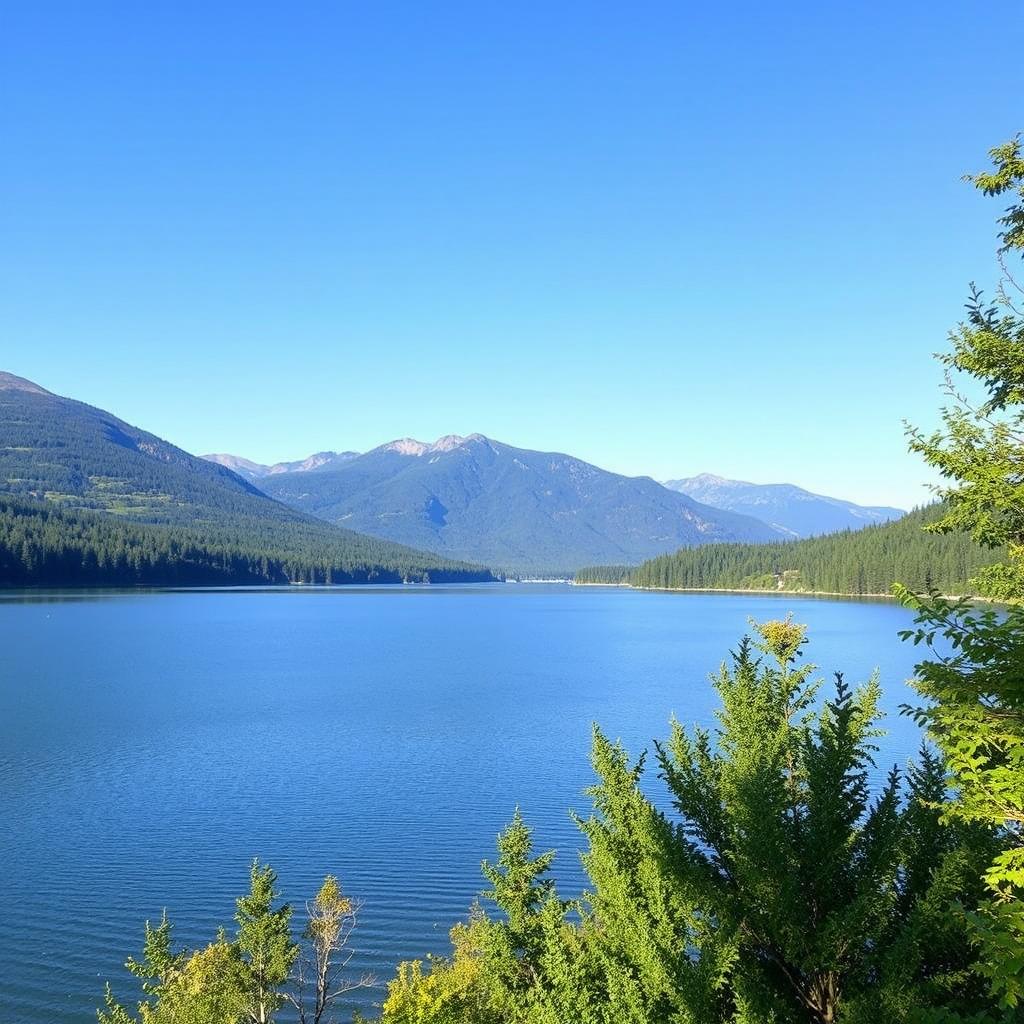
{"x": 152, "y": 744}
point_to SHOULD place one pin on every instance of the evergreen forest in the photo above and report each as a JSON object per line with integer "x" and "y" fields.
{"x": 865, "y": 561}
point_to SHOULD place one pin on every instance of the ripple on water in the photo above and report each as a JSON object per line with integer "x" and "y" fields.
{"x": 153, "y": 744}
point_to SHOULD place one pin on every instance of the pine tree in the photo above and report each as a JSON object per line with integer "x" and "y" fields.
{"x": 265, "y": 944}
{"x": 788, "y": 886}
{"x": 975, "y": 694}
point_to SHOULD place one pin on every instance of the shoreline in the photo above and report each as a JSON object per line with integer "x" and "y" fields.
{"x": 736, "y": 590}
{"x": 977, "y": 599}
{"x": 769, "y": 593}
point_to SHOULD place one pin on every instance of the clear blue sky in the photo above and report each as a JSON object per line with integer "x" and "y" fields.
{"x": 665, "y": 237}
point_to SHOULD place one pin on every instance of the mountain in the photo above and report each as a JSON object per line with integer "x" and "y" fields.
{"x": 856, "y": 562}
{"x": 78, "y": 456}
{"x": 247, "y": 470}
{"x": 59, "y": 457}
{"x": 253, "y": 471}
{"x": 788, "y": 508}
{"x": 481, "y": 500}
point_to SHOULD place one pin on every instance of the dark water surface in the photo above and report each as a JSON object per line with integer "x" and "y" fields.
{"x": 152, "y": 744}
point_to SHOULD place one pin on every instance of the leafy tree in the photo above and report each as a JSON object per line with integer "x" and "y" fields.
{"x": 331, "y": 918}
{"x": 458, "y": 989}
{"x": 210, "y": 988}
{"x": 792, "y": 874}
{"x": 245, "y": 981}
{"x": 156, "y": 969}
{"x": 502, "y": 968}
{"x": 204, "y": 987}
{"x": 658, "y": 956}
{"x": 975, "y": 684}
{"x": 979, "y": 449}
{"x": 519, "y": 889}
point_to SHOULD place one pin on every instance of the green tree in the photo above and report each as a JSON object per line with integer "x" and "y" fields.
{"x": 458, "y": 989}
{"x": 974, "y": 681}
{"x": 264, "y": 943}
{"x": 205, "y": 987}
{"x": 247, "y": 980}
{"x": 496, "y": 971}
{"x": 519, "y": 888}
{"x": 787, "y": 887}
{"x": 210, "y": 988}
{"x": 802, "y": 869}
{"x": 979, "y": 450}
{"x": 156, "y": 968}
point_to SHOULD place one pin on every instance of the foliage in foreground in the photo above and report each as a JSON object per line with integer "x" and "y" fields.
{"x": 783, "y": 888}
{"x": 790, "y": 884}
{"x": 974, "y": 684}
{"x": 246, "y": 980}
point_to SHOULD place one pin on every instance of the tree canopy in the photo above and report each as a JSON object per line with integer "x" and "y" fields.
{"x": 973, "y": 681}
{"x": 789, "y": 882}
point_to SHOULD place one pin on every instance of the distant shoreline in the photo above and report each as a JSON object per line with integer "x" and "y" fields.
{"x": 770, "y": 593}
{"x": 975, "y": 598}
{"x": 737, "y": 590}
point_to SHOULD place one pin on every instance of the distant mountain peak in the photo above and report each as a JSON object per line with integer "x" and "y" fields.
{"x": 709, "y": 478}
{"x": 791, "y": 509}
{"x": 10, "y": 382}
{"x": 253, "y": 471}
{"x": 448, "y": 442}
{"x": 231, "y": 461}
{"x": 406, "y": 446}
{"x": 315, "y": 461}
{"x": 410, "y": 446}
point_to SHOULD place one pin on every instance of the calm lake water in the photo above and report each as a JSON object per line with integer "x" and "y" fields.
{"x": 152, "y": 744}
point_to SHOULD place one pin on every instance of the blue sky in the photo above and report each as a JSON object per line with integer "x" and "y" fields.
{"x": 665, "y": 237}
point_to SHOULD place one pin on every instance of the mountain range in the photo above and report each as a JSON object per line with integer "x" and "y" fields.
{"x": 253, "y": 471}
{"x": 411, "y": 507}
{"x": 457, "y": 495}
{"x": 507, "y": 507}
{"x": 786, "y": 507}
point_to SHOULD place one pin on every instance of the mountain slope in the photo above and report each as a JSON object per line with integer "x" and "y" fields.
{"x": 791, "y": 509}
{"x": 479, "y": 499}
{"x": 74, "y": 454}
{"x": 59, "y": 454}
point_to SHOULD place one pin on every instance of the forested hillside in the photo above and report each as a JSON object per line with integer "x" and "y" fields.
{"x": 45, "y": 546}
{"x": 90, "y": 499}
{"x": 866, "y": 561}
{"x": 72, "y": 454}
